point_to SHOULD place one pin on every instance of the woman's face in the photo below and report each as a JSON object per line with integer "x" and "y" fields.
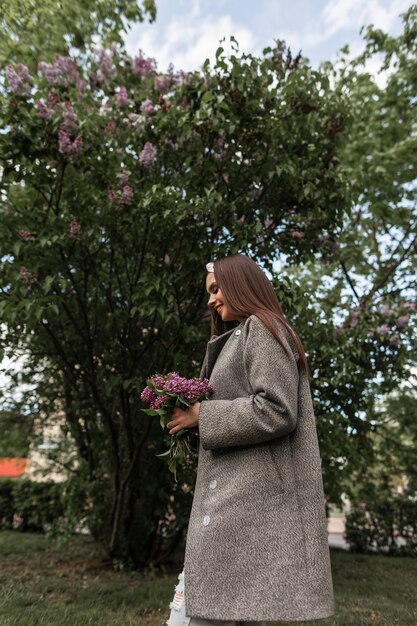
{"x": 216, "y": 300}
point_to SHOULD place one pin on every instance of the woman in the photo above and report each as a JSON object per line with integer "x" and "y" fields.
{"x": 257, "y": 547}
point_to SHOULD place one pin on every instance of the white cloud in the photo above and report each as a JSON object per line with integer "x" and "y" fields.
{"x": 188, "y": 40}
{"x": 342, "y": 17}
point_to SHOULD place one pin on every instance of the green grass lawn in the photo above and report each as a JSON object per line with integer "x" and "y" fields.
{"x": 45, "y": 584}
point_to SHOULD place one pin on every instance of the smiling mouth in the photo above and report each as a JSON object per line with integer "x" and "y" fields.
{"x": 218, "y": 308}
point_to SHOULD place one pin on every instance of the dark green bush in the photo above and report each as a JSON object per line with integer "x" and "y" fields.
{"x": 7, "y": 508}
{"x": 30, "y": 506}
{"x": 384, "y": 526}
{"x": 38, "y": 504}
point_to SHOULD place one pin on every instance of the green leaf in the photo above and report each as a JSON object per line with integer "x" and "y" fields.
{"x": 207, "y": 96}
{"x": 164, "y": 454}
{"x": 47, "y": 284}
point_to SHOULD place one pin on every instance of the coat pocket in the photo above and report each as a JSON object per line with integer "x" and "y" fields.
{"x": 276, "y": 474}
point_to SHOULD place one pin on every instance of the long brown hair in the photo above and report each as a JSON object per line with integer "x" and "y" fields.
{"x": 247, "y": 291}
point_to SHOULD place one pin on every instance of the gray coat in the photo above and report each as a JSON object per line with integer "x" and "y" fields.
{"x": 257, "y": 546}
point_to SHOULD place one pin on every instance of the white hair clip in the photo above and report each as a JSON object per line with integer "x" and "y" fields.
{"x": 210, "y": 266}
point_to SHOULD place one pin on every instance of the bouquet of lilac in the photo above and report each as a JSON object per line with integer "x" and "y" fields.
{"x": 162, "y": 393}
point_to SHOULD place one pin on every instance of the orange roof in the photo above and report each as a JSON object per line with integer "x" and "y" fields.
{"x": 12, "y": 467}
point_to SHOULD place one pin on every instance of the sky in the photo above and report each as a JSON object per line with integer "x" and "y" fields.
{"x": 186, "y": 32}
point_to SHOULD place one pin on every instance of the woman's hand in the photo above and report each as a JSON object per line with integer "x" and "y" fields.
{"x": 183, "y": 419}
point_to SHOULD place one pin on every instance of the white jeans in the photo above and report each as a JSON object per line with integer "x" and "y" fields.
{"x": 179, "y": 618}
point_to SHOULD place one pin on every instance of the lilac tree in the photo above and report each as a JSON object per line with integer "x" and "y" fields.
{"x": 118, "y": 184}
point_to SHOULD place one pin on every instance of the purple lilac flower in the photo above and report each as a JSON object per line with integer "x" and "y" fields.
{"x": 106, "y": 64}
{"x": 148, "y": 395}
{"x": 383, "y": 329}
{"x": 148, "y": 154}
{"x": 25, "y": 234}
{"x": 122, "y": 97}
{"x": 81, "y": 87}
{"x": 18, "y": 82}
{"x": 180, "y": 77}
{"x": 110, "y": 128}
{"x": 147, "y": 106}
{"x": 112, "y": 195}
{"x": 297, "y": 234}
{"x": 395, "y": 340}
{"x": 158, "y": 402}
{"x": 133, "y": 117}
{"x": 143, "y": 66}
{"x": 70, "y": 123}
{"x": 268, "y": 224}
{"x": 75, "y": 229}
{"x": 185, "y": 104}
{"x": 68, "y": 66}
{"x": 162, "y": 83}
{"x": 67, "y": 147}
{"x": 43, "y": 110}
{"x": 410, "y": 306}
{"x": 124, "y": 197}
{"x": 123, "y": 178}
{"x": 24, "y": 73}
{"x": 189, "y": 389}
{"x": 63, "y": 72}
{"x": 53, "y": 101}
{"x": 158, "y": 381}
{"x": 165, "y": 104}
{"x": 27, "y": 276}
{"x": 384, "y": 309}
{"x": 95, "y": 79}
{"x": 52, "y": 74}
{"x": 354, "y": 318}
{"x": 127, "y": 195}
{"x": 402, "y": 321}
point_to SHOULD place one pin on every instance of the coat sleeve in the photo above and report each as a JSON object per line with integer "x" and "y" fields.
{"x": 270, "y": 411}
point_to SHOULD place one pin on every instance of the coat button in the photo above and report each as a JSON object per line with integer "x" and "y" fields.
{"x": 206, "y": 520}
{"x": 238, "y": 332}
{"x": 213, "y": 484}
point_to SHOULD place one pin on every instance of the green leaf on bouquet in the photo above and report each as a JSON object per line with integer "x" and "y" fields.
{"x": 163, "y": 454}
{"x": 180, "y": 402}
{"x": 173, "y": 468}
{"x": 150, "y": 411}
{"x": 161, "y": 412}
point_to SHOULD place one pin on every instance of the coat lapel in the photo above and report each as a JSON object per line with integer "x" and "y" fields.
{"x": 214, "y": 347}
